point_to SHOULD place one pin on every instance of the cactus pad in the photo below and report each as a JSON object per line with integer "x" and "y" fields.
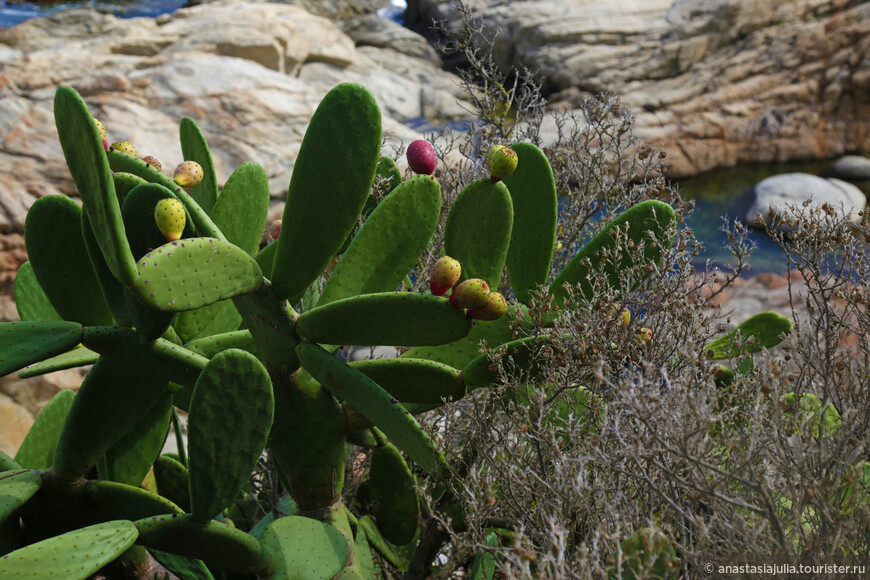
{"x": 376, "y": 404}
{"x": 195, "y": 148}
{"x": 331, "y": 180}
{"x": 396, "y": 506}
{"x": 234, "y": 389}
{"x": 37, "y": 449}
{"x": 173, "y": 481}
{"x": 389, "y": 243}
{"x": 25, "y": 343}
{"x": 16, "y": 487}
{"x": 305, "y": 549}
{"x": 389, "y": 318}
{"x": 243, "y": 206}
{"x": 764, "y": 330}
{"x": 129, "y": 460}
{"x": 30, "y": 300}
{"x": 72, "y": 556}
{"x": 414, "y": 380}
{"x": 195, "y": 272}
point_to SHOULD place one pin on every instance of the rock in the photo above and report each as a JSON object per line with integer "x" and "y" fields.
{"x": 851, "y": 167}
{"x": 794, "y": 188}
{"x": 715, "y": 83}
{"x": 371, "y": 30}
{"x": 16, "y": 422}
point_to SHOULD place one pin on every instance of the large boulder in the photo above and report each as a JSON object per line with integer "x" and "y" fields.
{"x": 779, "y": 192}
{"x": 852, "y": 167}
{"x": 715, "y": 82}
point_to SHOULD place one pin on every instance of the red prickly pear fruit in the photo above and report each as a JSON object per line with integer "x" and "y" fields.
{"x": 188, "y": 174}
{"x": 421, "y": 157}
{"x": 103, "y": 135}
{"x": 153, "y": 162}
{"x": 470, "y": 294}
{"x": 124, "y": 146}
{"x": 445, "y": 274}
{"x": 502, "y": 162}
{"x": 274, "y": 230}
{"x": 494, "y": 308}
{"x": 170, "y": 217}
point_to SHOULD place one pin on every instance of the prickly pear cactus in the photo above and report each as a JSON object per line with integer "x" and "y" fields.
{"x": 176, "y": 307}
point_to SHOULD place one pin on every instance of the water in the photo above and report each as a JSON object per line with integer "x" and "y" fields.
{"x": 717, "y": 193}
{"x": 15, "y": 13}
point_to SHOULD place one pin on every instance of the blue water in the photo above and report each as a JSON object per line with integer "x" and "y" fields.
{"x": 15, "y": 13}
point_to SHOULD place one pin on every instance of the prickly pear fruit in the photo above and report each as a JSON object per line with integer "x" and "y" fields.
{"x": 445, "y": 274}
{"x": 124, "y": 146}
{"x": 170, "y": 218}
{"x": 153, "y": 162}
{"x": 470, "y": 294}
{"x": 188, "y": 174}
{"x": 625, "y": 318}
{"x": 494, "y": 308}
{"x": 421, "y": 157}
{"x": 644, "y": 335}
{"x": 103, "y": 135}
{"x": 274, "y": 230}
{"x": 502, "y": 162}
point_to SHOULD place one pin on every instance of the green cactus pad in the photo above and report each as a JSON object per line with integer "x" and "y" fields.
{"x": 111, "y": 500}
{"x": 388, "y": 318}
{"x": 195, "y": 148}
{"x": 396, "y": 505}
{"x": 643, "y": 219}
{"x": 192, "y": 273}
{"x": 72, "y": 556}
{"x": 376, "y": 404}
{"x": 37, "y": 449}
{"x": 161, "y": 357}
{"x": 25, "y": 343}
{"x": 535, "y": 203}
{"x": 387, "y": 173}
{"x": 517, "y": 356}
{"x": 182, "y": 566}
{"x": 305, "y": 549}
{"x": 86, "y": 159}
{"x": 173, "y": 481}
{"x": 764, "y": 330}
{"x": 213, "y": 542}
{"x": 459, "y": 353}
{"x": 7, "y": 463}
{"x": 812, "y": 412}
{"x": 16, "y": 487}
{"x": 234, "y": 389}
{"x": 217, "y": 318}
{"x": 389, "y": 243}
{"x": 124, "y": 184}
{"x": 270, "y": 320}
{"x": 57, "y": 252}
{"x": 243, "y": 206}
{"x": 129, "y": 460}
{"x": 362, "y": 555}
{"x": 478, "y": 231}
{"x": 331, "y": 180}
{"x": 77, "y": 357}
{"x": 121, "y": 162}
{"x": 30, "y": 300}
{"x": 414, "y": 380}
{"x": 211, "y": 345}
{"x": 113, "y": 291}
{"x": 119, "y": 391}
{"x": 376, "y": 540}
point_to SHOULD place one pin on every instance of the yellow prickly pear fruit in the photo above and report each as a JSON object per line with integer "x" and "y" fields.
{"x": 103, "y": 135}
{"x": 625, "y": 318}
{"x": 644, "y": 335}
{"x": 124, "y": 146}
{"x": 445, "y": 274}
{"x": 470, "y": 294}
{"x": 170, "y": 217}
{"x": 188, "y": 174}
{"x": 502, "y": 162}
{"x": 153, "y": 162}
{"x": 494, "y": 308}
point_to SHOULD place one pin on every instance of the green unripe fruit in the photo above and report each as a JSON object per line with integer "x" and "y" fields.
{"x": 470, "y": 294}
{"x": 494, "y": 308}
{"x": 153, "y": 162}
{"x": 502, "y": 162}
{"x": 170, "y": 218}
{"x": 445, "y": 274}
{"x": 103, "y": 135}
{"x": 125, "y": 147}
{"x": 188, "y": 174}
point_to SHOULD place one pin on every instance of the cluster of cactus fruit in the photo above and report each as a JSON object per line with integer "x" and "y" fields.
{"x": 167, "y": 293}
